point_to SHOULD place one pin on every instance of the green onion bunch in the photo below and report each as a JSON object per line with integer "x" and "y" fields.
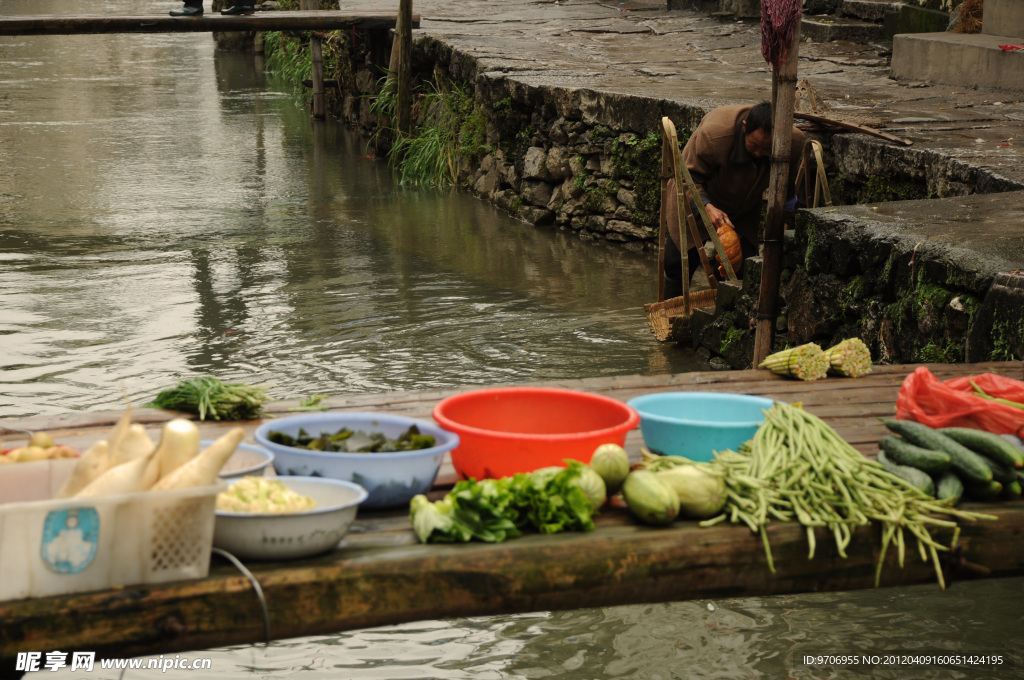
{"x": 210, "y": 398}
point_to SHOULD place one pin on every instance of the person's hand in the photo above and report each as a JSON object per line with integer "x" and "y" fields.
{"x": 717, "y": 217}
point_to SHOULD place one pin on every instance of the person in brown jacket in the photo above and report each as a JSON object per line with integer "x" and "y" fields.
{"x": 729, "y": 158}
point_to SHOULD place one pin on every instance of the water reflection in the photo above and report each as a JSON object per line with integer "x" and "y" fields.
{"x": 163, "y": 212}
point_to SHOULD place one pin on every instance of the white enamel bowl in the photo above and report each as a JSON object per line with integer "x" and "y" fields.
{"x": 287, "y": 536}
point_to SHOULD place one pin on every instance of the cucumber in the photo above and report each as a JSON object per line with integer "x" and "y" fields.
{"x": 968, "y": 465}
{"x": 915, "y": 477}
{"x": 983, "y": 492}
{"x": 948, "y": 487}
{"x": 1011, "y": 491}
{"x": 987, "y": 444}
{"x": 1001, "y": 473}
{"x": 902, "y": 452}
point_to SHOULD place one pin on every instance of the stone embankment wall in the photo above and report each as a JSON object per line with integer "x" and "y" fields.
{"x": 589, "y": 162}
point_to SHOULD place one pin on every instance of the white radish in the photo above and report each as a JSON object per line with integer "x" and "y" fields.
{"x": 134, "y": 444}
{"x": 92, "y": 463}
{"x": 117, "y": 437}
{"x": 179, "y": 443}
{"x": 204, "y": 468}
{"x": 125, "y": 478}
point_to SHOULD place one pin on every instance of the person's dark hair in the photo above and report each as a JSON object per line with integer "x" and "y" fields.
{"x": 759, "y": 118}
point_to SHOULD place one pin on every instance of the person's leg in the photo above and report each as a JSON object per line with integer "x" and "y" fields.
{"x": 191, "y": 8}
{"x": 241, "y": 7}
{"x": 673, "y": 270}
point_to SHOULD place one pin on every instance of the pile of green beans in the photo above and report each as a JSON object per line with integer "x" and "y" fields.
{"x": 798, "y": 468}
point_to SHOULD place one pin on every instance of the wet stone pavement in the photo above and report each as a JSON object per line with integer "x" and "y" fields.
{"x": 688, "y": 59}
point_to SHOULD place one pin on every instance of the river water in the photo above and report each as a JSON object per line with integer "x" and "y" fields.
{"x": 166, "y": 211}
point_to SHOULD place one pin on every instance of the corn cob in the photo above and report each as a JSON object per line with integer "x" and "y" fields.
{"x": 850, "y": 358}
{"x": 806, "y": 362}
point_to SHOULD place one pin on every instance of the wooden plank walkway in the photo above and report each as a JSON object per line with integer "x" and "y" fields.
{"x": 381, "y": 575}
{"x": 312, "y": 20}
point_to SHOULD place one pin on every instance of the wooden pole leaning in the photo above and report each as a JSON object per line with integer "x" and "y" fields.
{"x": 784, "y": 87}
{"x": 670, "y": 155}
{"x": 692, "y": 186}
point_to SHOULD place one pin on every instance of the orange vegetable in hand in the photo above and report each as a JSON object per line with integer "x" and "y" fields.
{"x": 731, "y": 243}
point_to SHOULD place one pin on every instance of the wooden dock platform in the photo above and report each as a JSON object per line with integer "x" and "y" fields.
{"x": 310, "y": 20}
{"x": 381, "y": 575}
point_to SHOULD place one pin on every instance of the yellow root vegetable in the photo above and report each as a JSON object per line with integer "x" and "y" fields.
{"x": 204, "y": 469}
{"x": 125, "y": 478}
{"x": 90, "y": 465}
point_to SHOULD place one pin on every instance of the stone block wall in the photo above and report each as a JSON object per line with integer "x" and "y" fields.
{"x": 909, "y": 296}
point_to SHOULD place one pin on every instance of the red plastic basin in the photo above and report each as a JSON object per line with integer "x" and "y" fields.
{"x": 507, "y": 430}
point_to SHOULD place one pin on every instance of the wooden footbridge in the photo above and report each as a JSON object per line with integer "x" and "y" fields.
{"x": 308, "y": 19}
{"x": 315, "y": 20}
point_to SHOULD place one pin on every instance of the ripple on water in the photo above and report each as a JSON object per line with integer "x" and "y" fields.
{"x": 731, "y": 639}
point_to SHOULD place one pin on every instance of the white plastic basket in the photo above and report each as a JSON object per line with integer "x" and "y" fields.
{"x": 35, "y": 480}
{"x": 55, "y": 547}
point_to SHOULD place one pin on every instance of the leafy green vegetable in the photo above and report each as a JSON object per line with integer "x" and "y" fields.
{"x": 492, "y": 510}
{"x": 208, "y": 396}
{"x": 346, "y": 440}
{"x": 311, "y": 403}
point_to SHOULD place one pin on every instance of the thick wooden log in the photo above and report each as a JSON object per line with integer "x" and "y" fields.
{"x": 321, "y": 20}
{"x": 384, "y": 577}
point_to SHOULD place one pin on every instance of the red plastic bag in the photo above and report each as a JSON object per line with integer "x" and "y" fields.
{"x": 953, "y": 403}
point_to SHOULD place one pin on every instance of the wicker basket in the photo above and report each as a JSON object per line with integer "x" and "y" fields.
{"x": 667, "y": 320}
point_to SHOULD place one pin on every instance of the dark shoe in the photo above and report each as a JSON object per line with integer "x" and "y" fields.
{"x": 239, "y": 9}
{"x": 189, "y": 10}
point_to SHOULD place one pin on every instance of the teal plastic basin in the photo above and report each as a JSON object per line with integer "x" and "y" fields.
{"x": 696, "y": 424}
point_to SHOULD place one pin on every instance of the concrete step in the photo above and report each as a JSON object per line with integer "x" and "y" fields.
{"x": 958, "y": 59}
{"x": 907, "y": 18}
{"x": 826, "y": 28}
{"x": 812, "y": 7}
{"x": 869, "y": 10}
{"x": 1004, "y": 17}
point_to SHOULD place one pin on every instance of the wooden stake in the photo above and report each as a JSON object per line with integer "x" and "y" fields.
{"x": 784, "y": 91}
{"x": 316, "y": 50}
{"x": 403, "y": 35}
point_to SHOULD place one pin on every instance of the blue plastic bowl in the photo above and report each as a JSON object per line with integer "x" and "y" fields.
{"x": 390, "y": 478}
{"x": 696, "y": 424}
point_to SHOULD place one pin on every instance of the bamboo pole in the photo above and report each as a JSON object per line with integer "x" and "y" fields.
{"x": 317, "y": 52}
{"x": 783, "y": 104}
